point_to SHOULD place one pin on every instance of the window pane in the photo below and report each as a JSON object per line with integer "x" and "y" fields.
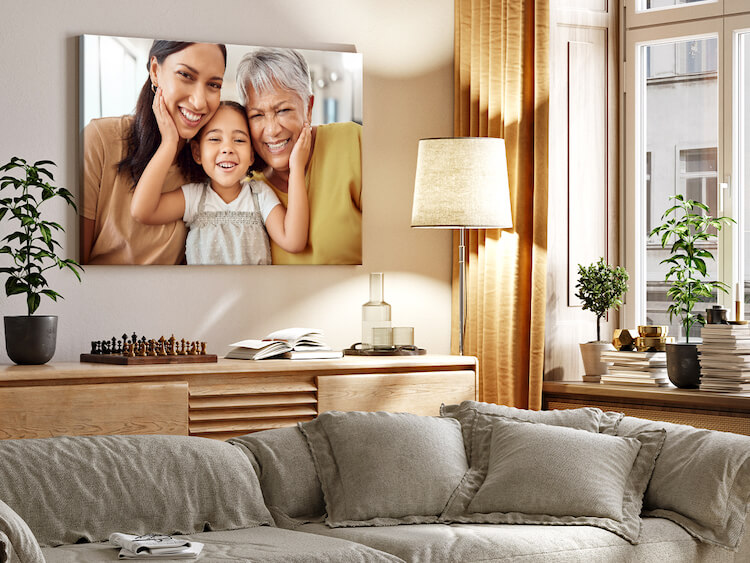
{"x": 656, "y": 4}
{"x": 681, "y": 135}
{"x": 700, "y": 160}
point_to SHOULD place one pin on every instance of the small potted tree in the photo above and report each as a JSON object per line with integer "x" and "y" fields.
{"x": 600, "y": 288}
{"x": 687, "y": 226}
{"x": 31, "y": 248}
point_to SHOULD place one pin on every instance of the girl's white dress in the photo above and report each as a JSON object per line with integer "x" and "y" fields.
{"x": 228, "y": 233}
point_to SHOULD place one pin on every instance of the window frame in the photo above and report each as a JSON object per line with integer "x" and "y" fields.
{"x": 633, "y": 204}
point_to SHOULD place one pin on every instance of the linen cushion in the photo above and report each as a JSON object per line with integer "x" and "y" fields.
{"x": 535, "y": 473}
{"x": 383, "y": 469}
{"x": 476, "y": 420}
{"x": 71, "y": 489}
{"x": 701, "y": 480}
{"x": 661, "y": 541}
{"x": 291, "y": 487}
{"x": 247, "y": 545}
{"x": 17, "y": 543}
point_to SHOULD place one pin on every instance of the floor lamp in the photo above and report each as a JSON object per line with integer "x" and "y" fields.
{"x": 462, "y": 183}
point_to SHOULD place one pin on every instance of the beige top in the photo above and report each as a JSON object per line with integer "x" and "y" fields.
{"x": 118, "y": 238}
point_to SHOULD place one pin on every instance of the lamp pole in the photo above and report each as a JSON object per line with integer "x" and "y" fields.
{"x": 461, "y": 290}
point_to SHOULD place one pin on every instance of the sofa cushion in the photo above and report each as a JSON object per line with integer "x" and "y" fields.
{"x": 17, "y": 543}
{"x": 250, "y": 545}
{"x": 382, "y": 469}
{"x": 701, "y": 480}
{"x": 71, "y": 489}
{"x": 661, "y": 541}
{"x": 476, "y": 420}
{"x": 286, "y": 470}
{"x": 535, "y": 473}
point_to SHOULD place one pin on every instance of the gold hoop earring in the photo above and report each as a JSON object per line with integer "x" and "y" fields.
{"x": 153, "y": 88}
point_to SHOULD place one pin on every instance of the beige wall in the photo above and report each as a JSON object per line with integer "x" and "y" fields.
{"x": 407, "y": 50}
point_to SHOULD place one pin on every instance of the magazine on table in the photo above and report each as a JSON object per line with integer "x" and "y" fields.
{"x": 154, "y": 546}
{"x": 293, "y": 343}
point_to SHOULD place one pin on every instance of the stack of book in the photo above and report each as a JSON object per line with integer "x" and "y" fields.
{"x": 635, "y": 368}
{"x": 725, "y": 358}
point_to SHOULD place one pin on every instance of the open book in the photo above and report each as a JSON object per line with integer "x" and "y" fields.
{"x": 154, "y": 546}
{"x": 292, "y": 343}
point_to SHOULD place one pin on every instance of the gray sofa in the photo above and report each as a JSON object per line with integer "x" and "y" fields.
{"x": 480, "y": 483}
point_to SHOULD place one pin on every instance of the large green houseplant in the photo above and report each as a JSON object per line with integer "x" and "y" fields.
{"x": 600, "y": 288}
{"x": 30, "y": 250}
{"x": 686, "y": 228}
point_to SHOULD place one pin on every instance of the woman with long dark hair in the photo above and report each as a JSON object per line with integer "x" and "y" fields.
{"x": 117, "y": 150}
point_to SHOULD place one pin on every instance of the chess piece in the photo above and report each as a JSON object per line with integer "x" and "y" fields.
{"x": 183, "y": 352}
{"x": 203, "y": 348}
{"x": 172, "y": 351}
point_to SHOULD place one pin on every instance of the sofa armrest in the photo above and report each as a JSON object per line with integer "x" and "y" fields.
{"x": 17, "y": 543}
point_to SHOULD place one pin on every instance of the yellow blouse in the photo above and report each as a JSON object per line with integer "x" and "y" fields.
{"x": 334, "y": 190}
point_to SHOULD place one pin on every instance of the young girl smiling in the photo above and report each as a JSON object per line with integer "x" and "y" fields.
{"x": 228, "y": 215}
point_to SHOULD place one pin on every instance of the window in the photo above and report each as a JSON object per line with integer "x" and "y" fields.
{"x": 684, "y": 136}
{"x": 660, "y": 4}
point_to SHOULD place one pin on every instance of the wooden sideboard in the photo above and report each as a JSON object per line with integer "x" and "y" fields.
{"x": 224, "y": 399}
{"x": 729, "y": 412}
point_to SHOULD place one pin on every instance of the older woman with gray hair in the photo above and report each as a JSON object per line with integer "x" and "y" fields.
{"x": 275, "y": 87}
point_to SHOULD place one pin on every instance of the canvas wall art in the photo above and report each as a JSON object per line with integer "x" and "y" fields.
{"x": 205, "y": 154}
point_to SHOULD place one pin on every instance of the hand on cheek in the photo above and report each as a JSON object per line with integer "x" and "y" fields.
{"x": 169, "y": 135}
{"x": 301, "y": 150}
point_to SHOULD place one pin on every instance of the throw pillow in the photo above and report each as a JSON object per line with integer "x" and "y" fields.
{"x": 82, "y": 488}
{"x": 17, "y": 543}
{"x": 534, "y": 473}
{"x": 383, "y": 469}
{"x": 476, "y": 420}
{"x": 701, "y": 481}
{"x": 287, "y": 474}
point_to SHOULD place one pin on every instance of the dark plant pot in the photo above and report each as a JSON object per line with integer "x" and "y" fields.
{"x": 31, "y": 339}
{"x": 683, "y": 368}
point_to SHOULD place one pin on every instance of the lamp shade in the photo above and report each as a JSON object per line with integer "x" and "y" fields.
{"x": 462, "y": 182}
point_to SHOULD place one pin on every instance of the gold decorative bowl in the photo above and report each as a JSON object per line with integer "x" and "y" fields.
{"x": 653, "y": 331}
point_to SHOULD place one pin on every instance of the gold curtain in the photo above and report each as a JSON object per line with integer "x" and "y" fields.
{"x": 502, "y": 90}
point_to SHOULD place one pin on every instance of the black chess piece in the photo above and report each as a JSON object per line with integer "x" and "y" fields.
{"x": 95, "y": 347}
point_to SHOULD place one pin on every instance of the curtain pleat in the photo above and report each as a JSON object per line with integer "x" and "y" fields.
{"x": 502, "y": 90}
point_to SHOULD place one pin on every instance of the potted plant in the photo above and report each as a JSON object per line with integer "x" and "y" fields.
{"x": 688, "y": 228}
{"x": 600, "y": 288}
{"x": 31, "y": 247}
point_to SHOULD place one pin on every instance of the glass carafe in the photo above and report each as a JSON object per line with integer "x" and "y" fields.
{"x": 376, "y": 312}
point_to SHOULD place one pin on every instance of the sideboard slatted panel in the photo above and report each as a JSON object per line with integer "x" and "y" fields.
{"x": 244, "y": 404}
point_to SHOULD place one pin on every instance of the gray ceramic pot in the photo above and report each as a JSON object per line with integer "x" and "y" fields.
{"x": 683, "y": 367}
{"x": 31, "y": 339}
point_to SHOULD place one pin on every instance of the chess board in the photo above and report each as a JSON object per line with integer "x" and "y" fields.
{"x": 145, "y": 360}
{"x": 132, "y": 350}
